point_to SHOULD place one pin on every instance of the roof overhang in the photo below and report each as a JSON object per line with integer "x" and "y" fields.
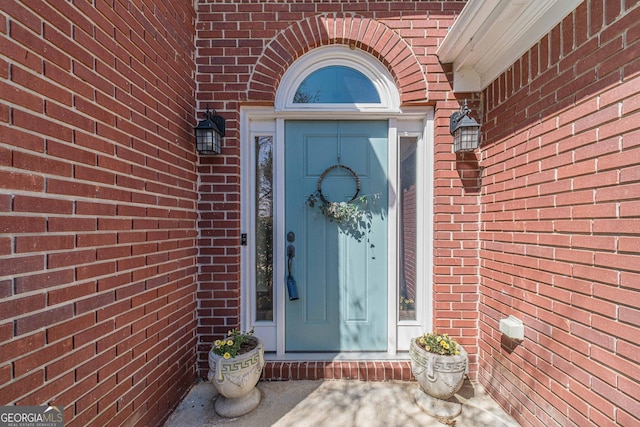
{"x": 491, "y": 35}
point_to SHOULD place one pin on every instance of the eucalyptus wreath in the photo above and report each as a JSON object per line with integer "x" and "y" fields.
{"x": 344, "y": 213}
{"x": 350, "y": 213}
{"x": 353, "y": 217}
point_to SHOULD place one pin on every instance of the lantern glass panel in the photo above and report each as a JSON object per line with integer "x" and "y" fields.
{"x": 466, "y": 138}
{"x": 208, "y": 141}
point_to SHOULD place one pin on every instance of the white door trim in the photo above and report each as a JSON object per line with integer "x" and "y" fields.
{"x": 261, "y": 121}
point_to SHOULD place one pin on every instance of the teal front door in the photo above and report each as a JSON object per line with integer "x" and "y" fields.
{"x": 340, "y": 271}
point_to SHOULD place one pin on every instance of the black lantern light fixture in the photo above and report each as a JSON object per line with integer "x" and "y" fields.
{"x": 209, "y": 133}
{"x": 465, "y": 130}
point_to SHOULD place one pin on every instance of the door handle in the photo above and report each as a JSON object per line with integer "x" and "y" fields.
{"x": 292, "y": 287}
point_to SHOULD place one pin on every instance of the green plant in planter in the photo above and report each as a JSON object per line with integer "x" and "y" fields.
{"x": 437, "y": 343}
{"x": 236, "y": 343}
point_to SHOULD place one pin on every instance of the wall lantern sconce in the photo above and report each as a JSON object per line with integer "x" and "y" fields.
{"x": 465, "y": 130}
{"x": 209, "y": 133}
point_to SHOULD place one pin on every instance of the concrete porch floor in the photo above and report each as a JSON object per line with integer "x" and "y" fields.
{"x": 344, "y": 403}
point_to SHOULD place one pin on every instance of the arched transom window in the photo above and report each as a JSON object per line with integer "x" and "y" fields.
{"x": 336, "y": 84}
{"x": 340, "y": 79}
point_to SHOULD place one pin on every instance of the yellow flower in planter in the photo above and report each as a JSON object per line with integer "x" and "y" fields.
{"x": 441, "y": 344}
{"x": 236, "y": 343}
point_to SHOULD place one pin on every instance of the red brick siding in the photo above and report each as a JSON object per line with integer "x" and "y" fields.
{"x": 369, "y": 370}
{"x": 97, "y": 208}
{"x": 561, "y": 223}
{"x": 244, "y": 48}
{"x": 456, "y": 232}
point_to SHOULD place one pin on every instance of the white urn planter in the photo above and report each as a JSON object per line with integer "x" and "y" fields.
{"x": 440, "y": 377}
{"x": 236, "y": 378}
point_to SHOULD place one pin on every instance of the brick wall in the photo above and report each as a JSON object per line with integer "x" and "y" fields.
{"x": 561, "y": 223}
{"x": 244, "y": 47}
{"x": 97, "y": 208}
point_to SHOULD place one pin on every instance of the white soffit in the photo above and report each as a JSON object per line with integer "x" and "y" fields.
{"x": 491, "y": 35}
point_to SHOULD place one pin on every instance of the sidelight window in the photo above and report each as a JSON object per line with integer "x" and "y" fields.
{"x": 264, "y": 227}
{"x": 408, "y": 231}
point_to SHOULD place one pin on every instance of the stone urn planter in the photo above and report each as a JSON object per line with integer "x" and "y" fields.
{"x": 440, "y": 377}
{"x": 235, "y": 378}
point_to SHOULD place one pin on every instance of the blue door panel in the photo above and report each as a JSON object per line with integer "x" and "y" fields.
{"x": 342, "y": 280}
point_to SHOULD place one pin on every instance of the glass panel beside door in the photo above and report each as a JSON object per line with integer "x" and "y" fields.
{"x": 264, "y": 227}
{"x": 408, "y": 230}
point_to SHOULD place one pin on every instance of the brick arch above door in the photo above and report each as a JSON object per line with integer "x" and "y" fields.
{"x": 356, "y": 31}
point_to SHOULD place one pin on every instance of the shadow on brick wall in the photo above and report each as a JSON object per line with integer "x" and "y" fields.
{"x": 469, "y": 171}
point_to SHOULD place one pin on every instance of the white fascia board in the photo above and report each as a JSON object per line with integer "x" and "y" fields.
{"x": 491, "y": 35}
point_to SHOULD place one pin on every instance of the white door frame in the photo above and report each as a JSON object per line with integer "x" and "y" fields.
{"x": 416, "y": 122}
{"x": 412, "y": 122}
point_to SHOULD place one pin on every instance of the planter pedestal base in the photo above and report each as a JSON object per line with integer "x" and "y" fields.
{"x": 438, "y": 408}
{"x": 232, "y": 408}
